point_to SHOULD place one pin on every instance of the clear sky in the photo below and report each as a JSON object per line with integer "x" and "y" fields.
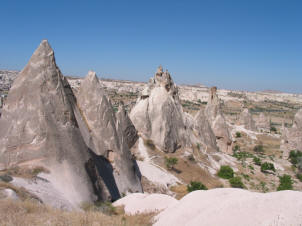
{"x": 233, "y": 44}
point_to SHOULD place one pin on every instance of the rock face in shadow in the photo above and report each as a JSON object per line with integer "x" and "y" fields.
{"x": 246, "y": 119}
{"x": 217, "y": 122}
{"x": 205, "y": 132}
{"x": 38, "y": 127}
{"x": 105, "y": 136}
{"x": 292, "y": 137}
{"x": 129, "y": 131}
{"x": 158, "y": 114}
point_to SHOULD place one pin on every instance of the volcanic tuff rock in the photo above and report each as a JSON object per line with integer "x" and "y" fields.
{"x": 205, "y": 132}
{"x": 106, "y": 135}
{"x": 158, "y": 114}
{"x": 7, "y": 78}
{"x": 263, "y": 122}
{"x": 38, "y": 128}
{"x": 98, "y": 115}
{"x": 129, "y": 131}
{"x": 293, "y": 136}
{"x": 213, "y": 114}
{"x": 247, "y": 120}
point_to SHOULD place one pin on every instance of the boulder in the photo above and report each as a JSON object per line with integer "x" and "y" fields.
{"x": 106, "y": 140}
{"x": 38, "y": 127}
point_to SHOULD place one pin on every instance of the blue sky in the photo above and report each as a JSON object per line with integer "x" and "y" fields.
{"x": 241, "y": 45}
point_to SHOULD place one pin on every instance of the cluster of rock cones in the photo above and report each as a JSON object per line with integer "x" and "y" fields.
{"x": 158, "y": 115}
{"x": 79, "y": 140}
{"x": 85, "y": 146}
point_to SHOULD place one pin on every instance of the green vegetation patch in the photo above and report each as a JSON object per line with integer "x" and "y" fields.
{"x": 196, "y": 185}
{"x": 236, "y": 182}
{"x": 295, "y": 158}
{"x": 226, "y": 172}
{"x": 286, "y": 183}
{"x": 170, "y": 162}
{"x": 267, "y": 166}
{"x": 257, "y": 161}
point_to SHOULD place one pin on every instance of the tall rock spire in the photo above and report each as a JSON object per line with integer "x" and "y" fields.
{"x": 39, "y": 128}
{"x": 158, "y": 114}
{"x": 215, "y": 117}
{"x": 106, "y": 134}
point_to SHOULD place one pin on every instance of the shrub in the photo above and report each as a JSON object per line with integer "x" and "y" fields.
{"x": 236, "y": 182}
{"x": 299, "y": 176}
{"x": 242, "y": 155}
{"x": 295, "y": 157}
{"x": 170, "y": 162}
{"x": 267, "y": 166}
{"x": 195, "y": 185}
{"x": 191, "y": 158}
{"x": 6, "y": 178}
{"x": 238, "y": 134}
{"x": 263, "y": 187}
{"x": 226, "y": 172}
{"x": 246, "y": 177}
{"x": 198, "y": 146}
{"x": 273, "y": 129}
{"x": 257, "y": 161}
{"x": 259, "y": 148}
{"x": 286, "y": 183}
{"x": 236, "y": 148}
